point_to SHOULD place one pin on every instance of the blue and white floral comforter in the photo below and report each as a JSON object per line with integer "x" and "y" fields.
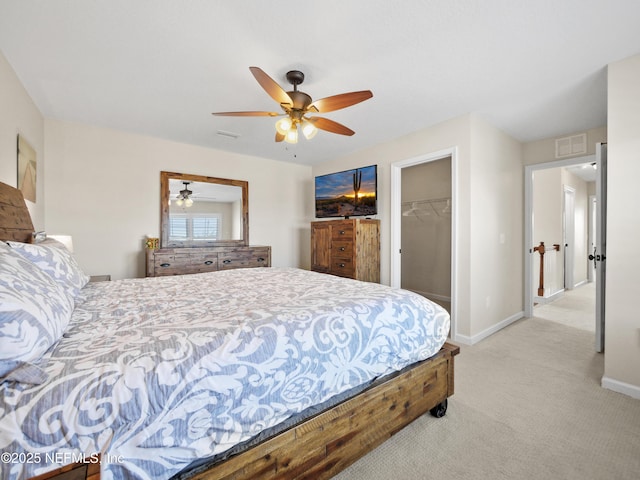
{"x": 155, "y": 373}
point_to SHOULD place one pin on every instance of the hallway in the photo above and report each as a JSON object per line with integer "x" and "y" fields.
{"x": 576, "y": 308}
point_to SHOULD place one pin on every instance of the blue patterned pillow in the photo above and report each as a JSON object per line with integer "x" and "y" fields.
{"x": 54, "y": 258}
{"x": 34, "y": 311}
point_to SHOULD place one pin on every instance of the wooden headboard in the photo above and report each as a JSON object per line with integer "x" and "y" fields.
{"x": 15, "y": 220}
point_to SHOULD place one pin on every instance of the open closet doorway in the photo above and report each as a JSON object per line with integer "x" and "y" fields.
{"x": 564, "y": 200}
{"x": 423, "y": 225}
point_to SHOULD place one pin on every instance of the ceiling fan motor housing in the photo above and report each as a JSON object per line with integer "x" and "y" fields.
{"x": 300, "y": 102}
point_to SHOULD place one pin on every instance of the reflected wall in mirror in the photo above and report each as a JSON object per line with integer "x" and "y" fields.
{"x": 200, "y": 211}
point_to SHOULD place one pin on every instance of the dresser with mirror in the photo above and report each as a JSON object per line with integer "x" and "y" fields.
{"x": 204, "y": 227}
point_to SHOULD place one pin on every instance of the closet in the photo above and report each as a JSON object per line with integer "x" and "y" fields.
{"x": 426, "y": 230}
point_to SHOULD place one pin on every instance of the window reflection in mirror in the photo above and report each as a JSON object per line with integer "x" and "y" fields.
{"x": 202, "y": 211}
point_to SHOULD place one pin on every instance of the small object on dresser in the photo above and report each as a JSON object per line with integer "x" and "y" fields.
{"x": 152, "y": 243}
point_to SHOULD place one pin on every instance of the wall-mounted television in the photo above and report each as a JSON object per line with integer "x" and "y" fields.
{"x": 347, "y": 194}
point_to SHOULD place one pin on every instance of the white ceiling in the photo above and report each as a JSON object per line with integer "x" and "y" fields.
{"x": 535, "y": 69}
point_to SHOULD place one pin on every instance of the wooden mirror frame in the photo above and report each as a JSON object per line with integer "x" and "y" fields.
{"x": 164, "y": 208}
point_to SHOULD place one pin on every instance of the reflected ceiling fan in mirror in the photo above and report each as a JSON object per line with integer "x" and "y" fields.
{"x": 298, "y": 105}
{"x": 184, "y": 197}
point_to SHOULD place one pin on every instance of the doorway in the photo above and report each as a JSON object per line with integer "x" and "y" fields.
{"x": 426, "y": 230}
{"x": 423, "y": 226}
{"x": 596, "y": 165}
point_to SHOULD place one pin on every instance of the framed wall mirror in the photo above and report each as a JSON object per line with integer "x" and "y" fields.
{"x": 200, "y": 211}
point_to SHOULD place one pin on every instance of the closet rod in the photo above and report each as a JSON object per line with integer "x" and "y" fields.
{"x": 425, "y": 201}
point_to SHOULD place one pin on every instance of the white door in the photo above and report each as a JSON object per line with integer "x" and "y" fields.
{"x": 601, "y": 242}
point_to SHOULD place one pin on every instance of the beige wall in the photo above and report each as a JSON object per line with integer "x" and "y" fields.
{"x": 488, "y": 192}
{"x": 544, "y": 150}
{"x": 20, "y": 116}
{"x": 103, "y": 188}
{"x": 452, "y": 133}
{"x": 497, "y": 224}
{"x": 622, "y": 341}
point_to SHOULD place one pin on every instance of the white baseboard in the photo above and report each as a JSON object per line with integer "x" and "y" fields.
{"x": 466, "y": 340}
{"x": 550, "y": 298}
{"x": 617, "y": 386}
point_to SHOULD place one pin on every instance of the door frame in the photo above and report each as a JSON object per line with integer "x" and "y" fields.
{"x": 601, "y": 243}
{"x": 396, "y": 219}
{"x": 591, "y": 272}
{"x": 528, "y": 220}
{"x": 569, "y": 235}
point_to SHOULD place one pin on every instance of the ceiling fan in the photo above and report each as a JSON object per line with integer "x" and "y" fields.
{"x": 297, "y": 105}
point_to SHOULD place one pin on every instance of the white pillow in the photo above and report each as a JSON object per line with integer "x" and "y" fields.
{"x": 54, "y": 258}
{"x": 34, "y": 311}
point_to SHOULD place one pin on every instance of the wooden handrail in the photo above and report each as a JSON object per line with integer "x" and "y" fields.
{"x": 541, "y": 249}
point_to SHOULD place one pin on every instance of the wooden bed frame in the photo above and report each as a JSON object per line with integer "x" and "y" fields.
{"x": 321, "y": 446}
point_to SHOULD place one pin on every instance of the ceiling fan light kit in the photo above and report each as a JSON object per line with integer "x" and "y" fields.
{"x": 296, "y": 105}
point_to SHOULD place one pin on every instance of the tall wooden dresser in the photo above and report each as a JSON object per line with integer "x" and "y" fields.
{"x": 347, "y": 248}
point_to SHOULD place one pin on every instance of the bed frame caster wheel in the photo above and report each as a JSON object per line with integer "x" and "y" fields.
{"x": 439, "y": 410}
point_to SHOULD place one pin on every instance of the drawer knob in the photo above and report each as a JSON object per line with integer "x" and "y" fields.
{"x": 341, "y": 265}
{"x": 342, "y": 249}
{"x": 226, "y": 262}
{"x": 165, "y": 264}
{"x": 260, "y": 259}
{"x": 342, "y": 232}
{"x": 208, "y": 262}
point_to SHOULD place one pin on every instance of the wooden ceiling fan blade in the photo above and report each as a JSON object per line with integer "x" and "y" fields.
{"x": 330, "y": 126}
{"x": 336, "y": 102}
{"x": 270, "y": 86}
{"x": 246, "y": 114}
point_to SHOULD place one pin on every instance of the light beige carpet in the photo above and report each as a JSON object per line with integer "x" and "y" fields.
{"x": 528, "y": 405}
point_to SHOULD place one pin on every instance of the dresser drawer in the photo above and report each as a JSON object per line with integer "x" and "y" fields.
{"x": 342, "y": 249}
{"x": 203, "y": 262}
{"x": 258, "y": 257}
{"x": 170, "y": 264}
{"x": 179, "y": 263}
{"x": 343, "y": 267}
{"x": 342, "y": 232}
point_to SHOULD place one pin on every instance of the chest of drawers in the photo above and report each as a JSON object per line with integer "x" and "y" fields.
{"x": 179, "y": 261}
{"x": 347, "y": 248}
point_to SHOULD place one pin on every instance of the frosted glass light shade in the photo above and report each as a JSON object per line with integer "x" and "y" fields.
{"x": 309, "y": 130}
{"x": 291, "y": 136}
{"x": 284, "y": 125}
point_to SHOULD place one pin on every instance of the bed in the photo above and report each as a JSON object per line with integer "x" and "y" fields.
{"x": 248, "y": 373}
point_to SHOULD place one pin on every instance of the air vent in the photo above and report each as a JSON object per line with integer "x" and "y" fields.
{"x": 223, "y": 133}
{"x": 573, "y": 145}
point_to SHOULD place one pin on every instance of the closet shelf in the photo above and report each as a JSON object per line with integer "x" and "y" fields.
{"x": 439, "y": 206}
